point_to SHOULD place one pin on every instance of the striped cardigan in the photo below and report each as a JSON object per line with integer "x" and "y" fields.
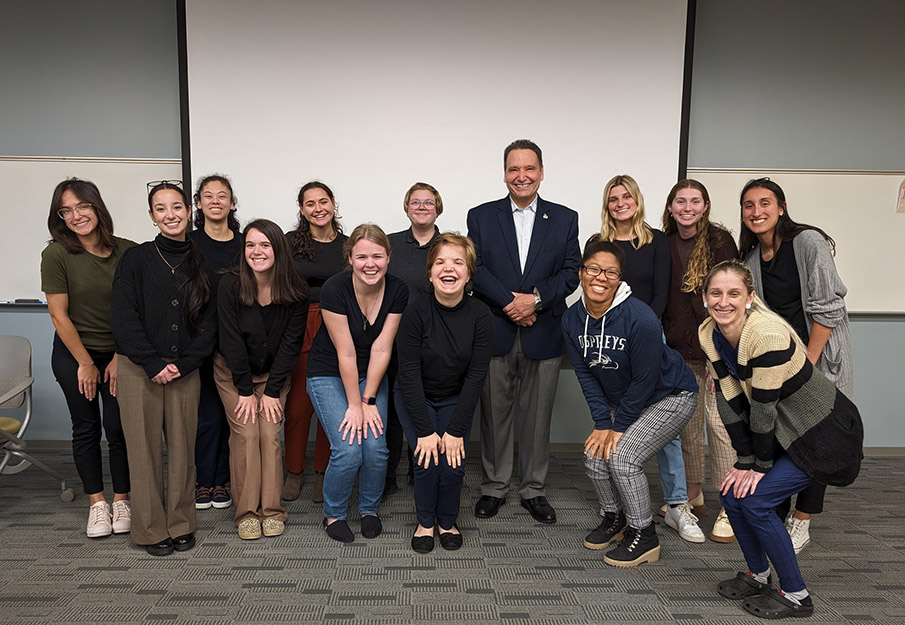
{"x": 780, "y": 402}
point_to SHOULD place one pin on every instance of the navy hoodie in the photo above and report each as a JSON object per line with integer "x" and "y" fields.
{"x": 621, "y": 360}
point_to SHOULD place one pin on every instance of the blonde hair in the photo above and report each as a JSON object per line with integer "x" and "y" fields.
{"x": 741, "y": 270}
{"x": 641, "y": 232}
{"x": 371, "y": 232}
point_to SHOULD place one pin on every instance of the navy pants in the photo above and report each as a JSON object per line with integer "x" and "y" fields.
{"x": 438, "y": 488}
{"x": 212, "y": 439}
{"x": 759, "y": 531}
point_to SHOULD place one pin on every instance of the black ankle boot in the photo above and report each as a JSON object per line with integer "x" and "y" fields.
{"x": 637, "y": 546}
{"x": 609, "y": 530}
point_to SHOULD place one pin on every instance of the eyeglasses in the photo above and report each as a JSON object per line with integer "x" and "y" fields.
{"x": 170, "y": 183}
{"x": 594, "y": 271}
{"x": 419, "y": 203}
{"x": 83, "y": 209}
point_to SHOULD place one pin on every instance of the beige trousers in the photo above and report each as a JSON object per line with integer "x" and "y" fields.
{"x": 149, "y": 410}
{"x": 722, "y": 455}
{"x": 255, "y": 454}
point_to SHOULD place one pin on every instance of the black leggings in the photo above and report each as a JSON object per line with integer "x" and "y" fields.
{"x": 86, "y": 422}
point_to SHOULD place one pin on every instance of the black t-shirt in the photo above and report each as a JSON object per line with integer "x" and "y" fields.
{"x": 328, "y": 261}
{"x": 782, "y": 288}
{"x": 338, "y": 296}
{"x": 217, "y": 255}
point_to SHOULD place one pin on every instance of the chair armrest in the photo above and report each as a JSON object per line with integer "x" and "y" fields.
{"x": 16, "y": 390}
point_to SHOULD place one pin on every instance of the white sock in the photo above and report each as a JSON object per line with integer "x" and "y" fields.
{"x": 761, "y": 578}
{"x": 796, "y": 596}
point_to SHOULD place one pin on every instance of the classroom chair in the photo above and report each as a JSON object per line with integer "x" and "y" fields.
{"x": 15, "y": 389}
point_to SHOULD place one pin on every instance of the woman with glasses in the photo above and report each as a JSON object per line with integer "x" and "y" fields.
{"x": 317, "y": 248}
{"x": 164, "y": 326}
{"x": 77, "y": 278}
{"x": 422, "y": 205}
{"x": 795, "y": 275}
{"x": 695, "y": 245}
{"x": 647, "y": 270}
{"x": 217, "y": 237}
{"x": 640, "y": 393}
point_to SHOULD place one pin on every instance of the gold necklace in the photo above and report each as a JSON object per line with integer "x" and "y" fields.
{"x": 172, "y": 268}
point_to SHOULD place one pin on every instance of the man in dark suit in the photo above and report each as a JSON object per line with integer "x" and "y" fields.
{"x": 528, "y": 261}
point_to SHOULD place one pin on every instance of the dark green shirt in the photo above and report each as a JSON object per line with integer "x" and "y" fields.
{"x": 88, "y": 281}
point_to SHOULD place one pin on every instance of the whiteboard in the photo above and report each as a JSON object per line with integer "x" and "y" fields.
{"x": 370, "y": 97}
{"x": 857, "y": 209}
{"x": 28, "y": 185}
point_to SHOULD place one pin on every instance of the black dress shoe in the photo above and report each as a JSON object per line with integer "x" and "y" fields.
{"x": 163, "y": 548}
{"x": 488, "y": 506}
{"x": 184, "y": 543}
{"x": 451, "y": 540}
{"x": 423, "y": 544}
{"x": 540, "y": 509}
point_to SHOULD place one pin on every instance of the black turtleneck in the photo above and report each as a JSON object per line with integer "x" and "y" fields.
{"x": 148, "y": 312}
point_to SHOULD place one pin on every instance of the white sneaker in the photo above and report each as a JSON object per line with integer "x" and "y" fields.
{"x": 798, "y": 531}
{"x": 99, "y": 520}
{"x": 122, "y": 517}
{"x": 685, "y": 522}
{"x": 722, "y": 529}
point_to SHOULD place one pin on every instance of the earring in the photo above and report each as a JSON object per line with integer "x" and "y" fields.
{"x": 705, "y": 304}
{"x": 747, "y": 306}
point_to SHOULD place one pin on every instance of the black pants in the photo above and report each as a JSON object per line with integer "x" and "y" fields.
{"x": 394, "y": 430}
{"x": 212, "y": 439}
{"x": 87, "y": 422}
{"x": 809, "y": 501}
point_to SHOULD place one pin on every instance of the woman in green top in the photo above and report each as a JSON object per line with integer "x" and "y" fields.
{"x": 77, "y": 276}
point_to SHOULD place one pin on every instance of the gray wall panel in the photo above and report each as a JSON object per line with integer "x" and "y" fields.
{"x": 809, "y": 84}
{"x": 89, "y": 78}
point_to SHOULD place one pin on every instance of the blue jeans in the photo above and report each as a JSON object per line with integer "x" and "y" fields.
{"x": 368, "y": 461}
{"x": 672, "y": 472}
{"x": 760, "y": 533}
{"x": 438, "y": 488}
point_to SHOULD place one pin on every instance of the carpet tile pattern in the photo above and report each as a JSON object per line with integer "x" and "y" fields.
{"x": 510, "y": 570}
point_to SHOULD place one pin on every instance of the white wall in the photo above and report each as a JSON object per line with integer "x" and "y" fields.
{"x": 370, "y": 97}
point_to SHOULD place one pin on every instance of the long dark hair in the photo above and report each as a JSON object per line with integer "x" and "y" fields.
{"x": 287, "y": 285}
{"x": 191, "y": 274}
{"x": 786, "y": 229}
{"x": 86, "y": 191}
{"x": 302, "y": 243}
{"x": 232, "y": 222}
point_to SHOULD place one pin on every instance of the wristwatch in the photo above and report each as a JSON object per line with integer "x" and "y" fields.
{"x": 538, "y": 304}
{"x": 371, "y": 401}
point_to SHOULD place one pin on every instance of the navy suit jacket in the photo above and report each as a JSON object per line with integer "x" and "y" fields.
{"x": 552, "y": 268}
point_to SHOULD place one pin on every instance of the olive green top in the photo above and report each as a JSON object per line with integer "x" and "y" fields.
{"x": 88, "y": 281}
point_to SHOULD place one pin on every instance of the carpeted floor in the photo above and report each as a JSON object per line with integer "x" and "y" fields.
{"x": 511, "y": 569}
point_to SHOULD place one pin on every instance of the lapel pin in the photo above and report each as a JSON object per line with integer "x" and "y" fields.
{"x": 545, "y": 215}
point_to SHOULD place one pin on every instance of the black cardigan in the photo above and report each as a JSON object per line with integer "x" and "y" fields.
{"x": 246, "y": 346}
{"x": 148, "y": 315}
